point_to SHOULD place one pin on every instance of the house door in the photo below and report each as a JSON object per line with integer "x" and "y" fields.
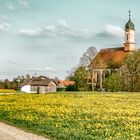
{"x": 38, "y": 90}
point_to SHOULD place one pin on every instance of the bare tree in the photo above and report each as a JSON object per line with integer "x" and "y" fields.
{"x": 80, "y": 73}
{"x": 88, "y": 56}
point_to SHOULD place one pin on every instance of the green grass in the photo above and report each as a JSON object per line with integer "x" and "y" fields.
{"x": 75, "y": 116}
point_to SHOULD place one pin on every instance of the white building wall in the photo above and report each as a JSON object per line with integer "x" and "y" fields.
{"x": 130, "y": 36}
{"x": 52, "y": 87}
{"x": 26, "y": 88}
{"x": 42, "y": 89}
{"x": 33, "y": 89}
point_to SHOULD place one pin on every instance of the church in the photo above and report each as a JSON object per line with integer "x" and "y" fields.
{"x": 112, "y": 58}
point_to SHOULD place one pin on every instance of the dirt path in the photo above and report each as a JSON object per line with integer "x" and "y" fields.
{"x": 8, "y": 132}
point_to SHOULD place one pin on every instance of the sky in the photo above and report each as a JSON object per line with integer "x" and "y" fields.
{"x": 47, "y": 37}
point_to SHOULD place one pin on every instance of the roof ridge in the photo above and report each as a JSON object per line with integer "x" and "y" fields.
{"x": 112, "y": 48}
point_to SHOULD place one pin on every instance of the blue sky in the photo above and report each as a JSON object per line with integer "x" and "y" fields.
{"x": 47, "y": 37}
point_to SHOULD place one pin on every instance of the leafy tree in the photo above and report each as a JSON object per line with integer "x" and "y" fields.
{"x": 113, "y": 82}
{"x": 131, "y": 72}
{"x": 15, "y": 85}
{"x": 80, "y": 78}
{"x": 5, "y": 86}
{"x": 28, "y": 77}
{"x": 71, "y": 88}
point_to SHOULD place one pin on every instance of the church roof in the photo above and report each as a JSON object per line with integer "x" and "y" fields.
{"x": 109, "y": 58}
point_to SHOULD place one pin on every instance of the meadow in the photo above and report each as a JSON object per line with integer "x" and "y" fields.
{"x": 75, "y": 116}
{"x": 7, "y": 91}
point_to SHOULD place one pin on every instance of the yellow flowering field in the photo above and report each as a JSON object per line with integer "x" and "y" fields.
{"x": 75, "y": 116}
{"x": 7, "y": 91}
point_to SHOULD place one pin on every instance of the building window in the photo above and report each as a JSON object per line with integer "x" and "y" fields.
{"x": 127, "y": 36}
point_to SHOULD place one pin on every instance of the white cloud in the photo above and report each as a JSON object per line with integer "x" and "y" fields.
{"x": 25, "y": 3}
{"x": 4, "y": 27}
{"x": 114, "y": 30}
{"x": 62, "y": 29}
{"x": 62, "y": 23}
{"x": 10, "y": 6}
{"x": 75, "y": 33}
{"x": 32, "y": 33}
{"x": 49, "y": 69}
{"x": 12, "y": 62}
{"x": 4, "y": 17}
{"x": 50, "y": 28}
{"x": 41, "y": 69}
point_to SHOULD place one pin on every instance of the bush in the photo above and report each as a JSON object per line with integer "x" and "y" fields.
{"x": 112, "y": 82}
{"x": 71, "y": 88}
{"x": 5, "y": 86}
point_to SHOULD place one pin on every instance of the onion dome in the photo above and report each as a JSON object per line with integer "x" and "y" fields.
{"x": 129, "y": 25}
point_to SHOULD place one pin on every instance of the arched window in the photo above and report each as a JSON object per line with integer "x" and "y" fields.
{"x": 127, "y": 37}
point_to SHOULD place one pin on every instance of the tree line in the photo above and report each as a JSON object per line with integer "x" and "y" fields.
{"x": 15, "y": 83}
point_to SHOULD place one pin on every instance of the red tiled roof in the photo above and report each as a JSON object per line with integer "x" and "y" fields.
{"x": 66, "y": 83}
{"x": 110, "y": 57}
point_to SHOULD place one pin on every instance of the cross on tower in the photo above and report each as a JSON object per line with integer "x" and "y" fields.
{"x": 129, "y": 14}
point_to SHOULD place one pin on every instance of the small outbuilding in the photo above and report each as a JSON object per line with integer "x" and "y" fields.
{"x": 39, "y": 84}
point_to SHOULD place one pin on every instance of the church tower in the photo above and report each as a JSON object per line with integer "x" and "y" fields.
{"x": 129, "y": 44}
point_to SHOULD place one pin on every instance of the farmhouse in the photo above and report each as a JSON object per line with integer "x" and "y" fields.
{"x": 112, "y": 58}
{"x": 39, "y": 84}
